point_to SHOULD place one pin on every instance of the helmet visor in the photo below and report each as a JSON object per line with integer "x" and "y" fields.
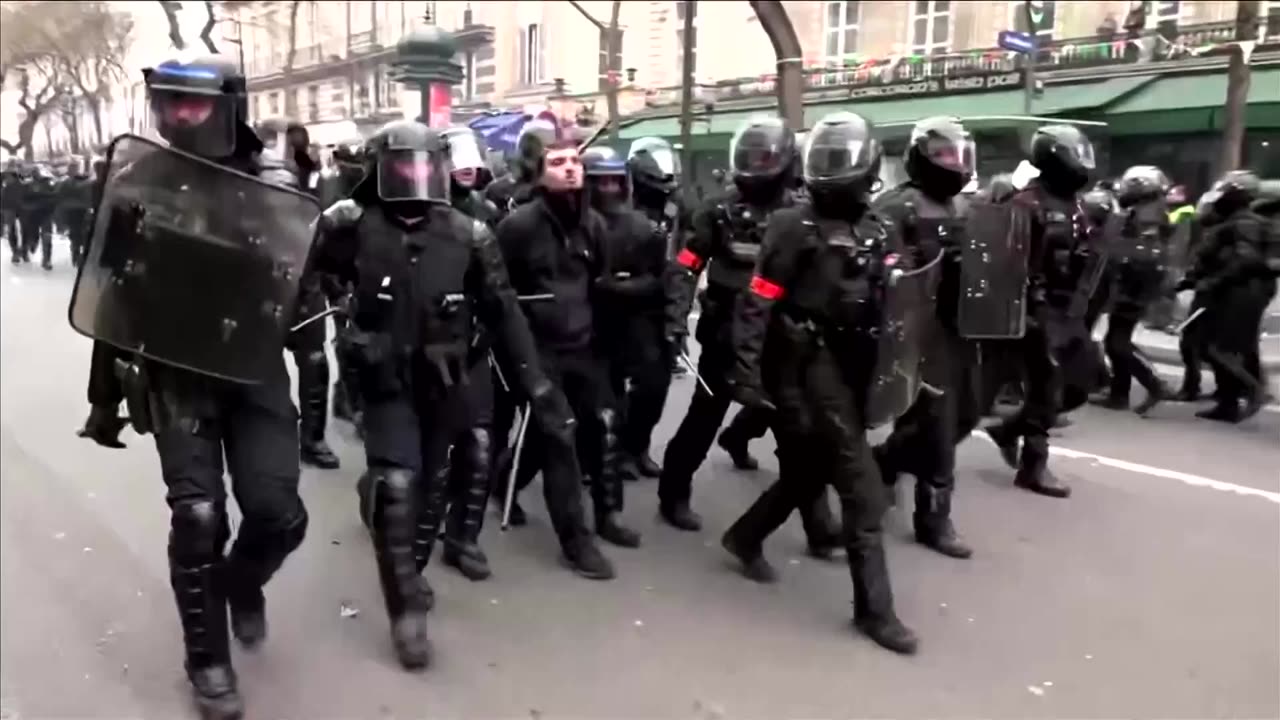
{"x": 761, "y": 149}
{"x": 465, "y": 151}
{"x": 667, "y": 159}
{"x": 413, "y": 175}
{"x": 199, "y": 124}
{"x": 844, "y": 150}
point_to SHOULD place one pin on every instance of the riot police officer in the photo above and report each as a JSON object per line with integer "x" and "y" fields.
{"x": 803, "y": 334}
{"x": 200, "y": 108}
{"x": 1138, "y": 268}
{"x": 77, "y": 196}
{"x": 630, "y": 296}
{"x": 1063, "y": 268}
{"x": 939, "y": 163}
{"x": 471, "y": 461}
{"x": 422, "y": 273}
{"x": 1234, "y": 278}
{"x": 337, "y": 183}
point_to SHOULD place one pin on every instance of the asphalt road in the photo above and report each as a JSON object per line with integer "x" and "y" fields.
{"x": 1153, "y": 592}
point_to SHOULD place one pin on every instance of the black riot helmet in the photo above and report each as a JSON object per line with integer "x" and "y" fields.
{"x": 941, "y": 157}
{"x": 198, "y": 104}
{"x": 608, "y": 178}
{"x": 467, "y": 159}
{"x": 1232, "y": 192}
{"x": 535, "y": 137}
{"x": 1098, "y": 205}
{"x": 841, "y": 163}
{"x": 410, "y": 162}
{"x": 654, "y": 164}
{"x": 1064, "y": 157}
{"x": 761, "y": 156}
{"x": 1142, "y": 183}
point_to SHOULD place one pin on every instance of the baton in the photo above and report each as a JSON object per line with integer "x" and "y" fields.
{"x": 1183, "y": 325}
{"x": 515, "y": 468}
{"x": 313, "y": 318}
{"x": 684, "y": 359}
{"x": 493, "y": 363}
{"x": 536, "y": 298}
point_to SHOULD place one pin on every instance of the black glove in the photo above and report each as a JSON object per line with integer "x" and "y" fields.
{"x": 103, "y": 426}
{"x": 676, "y": 345}
{"x": 550, "y": 409}
{"x": 750, "y": 395}
{"x": 1185, "y": 283}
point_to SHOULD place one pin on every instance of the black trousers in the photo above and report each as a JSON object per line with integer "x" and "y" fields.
{"x": 471, "y": 460}
{"x": 749, "y": 424}
{"x": 1127, "y": 364}
{"x": 825, "y": 441}
{"x": 309, "y": 356}
{"x": 640, "y": 377}
{"x": 1231, "y": 342}
{"x": 923, "y": 441}
{"x": 255, "y": 429}
{"x": 688, "y": 448}
{"x": 1191, "y": 346}
{"x": 37, "y": 232}
{"x": 1042, "y": 386}
{"x": 582, "y": 376}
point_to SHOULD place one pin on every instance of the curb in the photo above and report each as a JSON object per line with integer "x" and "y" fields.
{"x": 1166, "y": 355}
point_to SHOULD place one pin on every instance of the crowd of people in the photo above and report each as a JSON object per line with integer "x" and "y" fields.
{"x": 492, "y": 329}
{"x": 38, "y": 199}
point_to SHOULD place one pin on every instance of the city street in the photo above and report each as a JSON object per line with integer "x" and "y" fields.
{"x": 1153, "y": 592}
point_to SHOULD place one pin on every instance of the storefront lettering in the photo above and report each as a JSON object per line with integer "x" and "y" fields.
{"x": 939, "y": 86}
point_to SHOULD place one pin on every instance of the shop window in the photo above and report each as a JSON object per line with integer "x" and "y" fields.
{"x": 931, "y": 27}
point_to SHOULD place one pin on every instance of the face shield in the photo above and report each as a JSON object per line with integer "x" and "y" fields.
{"x": 838, "y": 149}
{"x": 947, "y": 145}
{"x": 413, "y": 175}
{"x": 198, "y": 123}
{"x": 665, "y": 156}
{"x": 760, "y": 149}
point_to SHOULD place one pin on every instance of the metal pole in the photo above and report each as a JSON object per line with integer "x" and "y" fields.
{"x": 1030, "y": 65}
{"x": 686, "y": 97}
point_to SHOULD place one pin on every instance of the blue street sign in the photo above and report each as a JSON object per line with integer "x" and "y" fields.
{"x": 1019, "y": 42}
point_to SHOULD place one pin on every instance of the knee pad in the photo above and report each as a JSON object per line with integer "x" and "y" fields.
{"x": 395, "y": 484}
{"x": 481, "y": 445}
{"x": 198, "y": 531}
{"x": 294, "y": 530}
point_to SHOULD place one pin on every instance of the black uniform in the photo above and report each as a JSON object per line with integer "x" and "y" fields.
{"x": 77, "y": 196}
{"x": 423, "y": 273}
{"x": 925, "y": 214}
{"x": 11, "y": 189}
{"x": 471, "y": 461}
{"x": 1234, "y": 276}
{"x": 35, "y": 217}
{"x": 1138, "y": 261}
{"x": 1052, "y": 353}
{"x": 198, "y": 421}
{"x": 337, "y": 183}
{"x": 803, "y": 335}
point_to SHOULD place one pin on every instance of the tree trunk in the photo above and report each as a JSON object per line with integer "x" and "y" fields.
{"x": 175, "y": 30}
{"x": 291, "y": 93}
{"x": 615, "y": 71}
{"x": 1233, "y": 120}
{"x": 95, "y": 107}
{"x": 786, "y": 45}
{"x": 686, "y": 99}
{"x": 206, "y": 33}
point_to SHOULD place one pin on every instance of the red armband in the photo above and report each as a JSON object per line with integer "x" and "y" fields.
{"x": 689, "y": 259}
{"x": 766, "y": 289}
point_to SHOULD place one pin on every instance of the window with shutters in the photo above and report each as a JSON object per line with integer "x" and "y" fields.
{"x": 533, "y": 55}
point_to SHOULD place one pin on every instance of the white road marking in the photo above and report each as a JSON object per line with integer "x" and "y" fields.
{"x": 1185, "y": 478}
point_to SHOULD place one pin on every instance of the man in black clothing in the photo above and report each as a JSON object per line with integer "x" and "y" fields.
{"x": 552, "y": 246}
{"x": 198, "y": 416}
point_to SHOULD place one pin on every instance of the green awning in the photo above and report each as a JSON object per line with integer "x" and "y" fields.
{"x": 1003, "y": 108}
{"x": 1194, "y": 103}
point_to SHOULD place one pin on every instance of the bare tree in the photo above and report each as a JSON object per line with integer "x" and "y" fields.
{"x": 91, "y": 45}
{"x": 171, "y": 8}
{"x": 1237, "y": 102}
{"x": 206, "y": 33}
{"x": 291, "y": 96}
{"x": 28, "y": 57}
{"x": 786, "y": 45}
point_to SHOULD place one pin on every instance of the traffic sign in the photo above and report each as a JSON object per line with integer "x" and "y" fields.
{"x": 1018, "y": 42}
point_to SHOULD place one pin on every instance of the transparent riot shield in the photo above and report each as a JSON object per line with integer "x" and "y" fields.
{"x": 192, "y": 264}
{"x": 908, "y": 318}
{"x": 993, "y": 272}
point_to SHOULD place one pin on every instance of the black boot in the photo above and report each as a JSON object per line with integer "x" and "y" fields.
{"x": 1005, "y": 436}
{"x": 470, "y": 474}
{"x": 257, "y": 554}
{"x": 1188, "y": 393}
{"x": 468, "y": 559}
{"x": 313, "y": 401}
{"x": 753, "y": 564}
{"x": 680, "y": 516}
{"x": 1033, "y": 470}
{"x": 202, "y": 609}
{"x": 873, "y": 612}
{"x": 932, "y": 521}
{"x": 738, "y": 450}
{"x": 317, "y": 453}
{"x": 610, "y": 529}
{"x": 1223, "y": 410}
{"x": 1111, "y": 402}
{"x": 647, "y": 467}
{"x": 1156, "y": 395}
{"x": 391, "y": 492}
{"x": 585, "y": 559}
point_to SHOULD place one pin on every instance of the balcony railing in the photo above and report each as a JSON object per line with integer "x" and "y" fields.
{"x": 1119, "y": 49}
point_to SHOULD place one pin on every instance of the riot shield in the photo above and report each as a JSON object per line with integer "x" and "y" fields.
{"x": 1090, "y": 262}
{"x": 993, "y": 272}
{"x": 192, "y": 264}
{"x": 908, "y": 317}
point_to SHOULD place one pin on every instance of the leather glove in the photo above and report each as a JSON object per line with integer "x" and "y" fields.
{"x": 751, "y": 396}
{"x": 550, "y": 409}
{"x": 103, "y": 426}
